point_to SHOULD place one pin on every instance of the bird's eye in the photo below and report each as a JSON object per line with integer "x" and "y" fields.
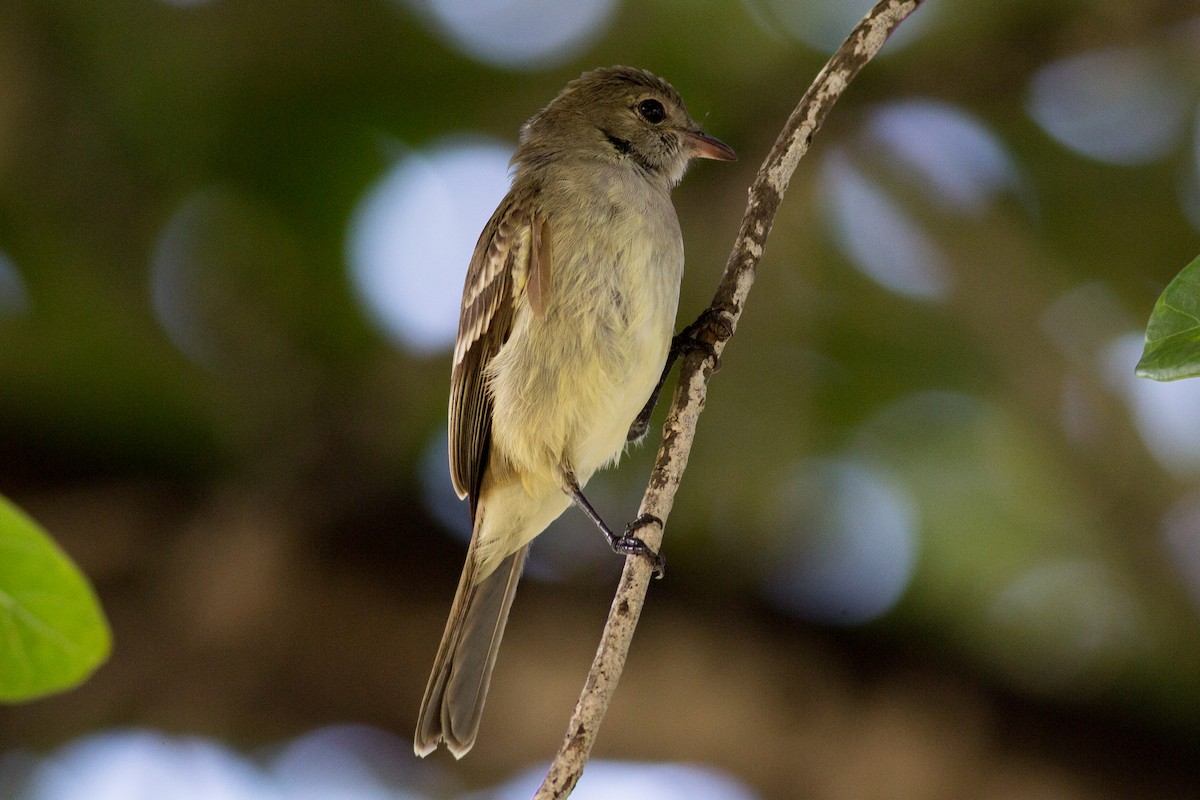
{"x": 652, "y": 111}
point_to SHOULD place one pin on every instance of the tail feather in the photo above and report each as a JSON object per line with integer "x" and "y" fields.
{"x": 462, "y": 670}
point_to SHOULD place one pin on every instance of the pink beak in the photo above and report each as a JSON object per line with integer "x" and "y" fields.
{"x": 699, "y": 144}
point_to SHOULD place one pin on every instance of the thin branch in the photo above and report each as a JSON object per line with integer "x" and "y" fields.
{"x": 679, "y": 430}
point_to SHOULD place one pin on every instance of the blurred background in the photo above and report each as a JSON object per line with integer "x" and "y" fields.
{"x": 934, "y": 541}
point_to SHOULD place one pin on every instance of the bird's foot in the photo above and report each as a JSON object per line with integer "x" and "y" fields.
{"x": 711, "y": 326}
{"x": 629, "y": 544}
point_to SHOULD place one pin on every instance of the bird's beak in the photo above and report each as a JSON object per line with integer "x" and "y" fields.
{"x": 698, "y": 144}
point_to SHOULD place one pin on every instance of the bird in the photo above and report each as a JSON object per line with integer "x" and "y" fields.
{"x": 566, "y": 323}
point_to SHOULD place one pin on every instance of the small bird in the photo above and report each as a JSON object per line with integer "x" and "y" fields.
{"x": 566, "y": 324}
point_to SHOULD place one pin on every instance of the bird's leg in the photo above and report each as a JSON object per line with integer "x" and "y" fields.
{"x": 641, "y": 423}
{"x": 686, "y": 340}
{"x": 627, "y": 543}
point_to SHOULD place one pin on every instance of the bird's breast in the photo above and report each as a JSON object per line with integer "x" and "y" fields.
{"x": 569, "y": 383}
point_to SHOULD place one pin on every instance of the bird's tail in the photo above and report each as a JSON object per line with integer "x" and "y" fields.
{"x": 453, "y": 702}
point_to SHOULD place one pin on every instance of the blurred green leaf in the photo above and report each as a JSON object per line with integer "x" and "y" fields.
{"x": 53, "y": 633}
{"x": 1173, "y": 334}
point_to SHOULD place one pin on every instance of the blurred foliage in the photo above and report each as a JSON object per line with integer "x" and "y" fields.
{"x": 55, "y": 634}
{"x": 1173, "y": 332}
{"x": 189, "y": 437}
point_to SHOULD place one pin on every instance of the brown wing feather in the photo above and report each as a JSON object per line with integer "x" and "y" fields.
{"x": 537, "y": 287}
{"x": 496, "y": 279}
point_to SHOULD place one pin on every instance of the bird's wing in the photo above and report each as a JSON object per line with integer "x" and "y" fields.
{"x": 497, "y": 279}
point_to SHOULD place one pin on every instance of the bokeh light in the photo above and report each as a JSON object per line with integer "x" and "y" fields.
{"x": 953, "y": 156}
{"x": 517, "y": 33}
{"x": 1084, "y": 320}
{"x": 849, "y": 530}
{"x": 412, "y": 235}
{"x": 1188, "y": 185}
{"x": 1121, "y": 105}
{"x": 1081, "y": 323}
{"x": 140, "y": 765}
{"x": 345, "y": 762}
{"x": 1181, "y": 536}
{"x": 605, "y": 780}
{"x": 437, "y": 490}
{"x": 177, "y": 269}
{"x": 341, "y": 762}
{"x": 1062, "y": 624}
{"x": 14, "y": 299}
{"x": 336, "y": 763}
{"x": 1166, "y": 414}
{"x": 911, "y": 159}
{"x": 218, "y": 271}
{"x": 878, "y": 237}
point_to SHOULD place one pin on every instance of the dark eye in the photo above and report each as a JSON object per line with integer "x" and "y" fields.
{"x": 652, "y": 111}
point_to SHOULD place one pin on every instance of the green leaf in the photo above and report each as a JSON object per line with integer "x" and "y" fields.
{"x": 53, "y": 633}
{"x": 1173, "y": 334}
